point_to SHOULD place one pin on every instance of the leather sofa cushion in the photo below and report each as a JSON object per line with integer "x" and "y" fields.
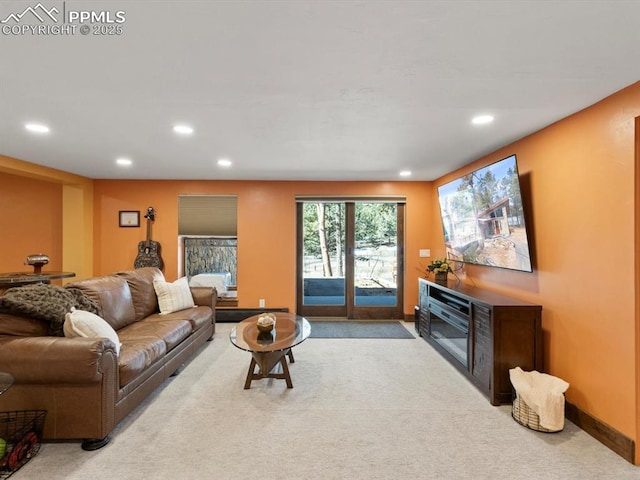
{"x": 197, "y": 316}
{"x": 138, "y": 354}
{"x": 171, "y": 332}
{"x": 22, "y": 326}
{"x": 113, "y": 296}
{"x": 140, "y": 280}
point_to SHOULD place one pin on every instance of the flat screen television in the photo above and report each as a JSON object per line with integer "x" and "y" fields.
{"x": 483, "y": 217}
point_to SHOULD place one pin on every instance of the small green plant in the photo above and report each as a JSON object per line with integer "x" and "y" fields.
{"x": 439, "y": 266}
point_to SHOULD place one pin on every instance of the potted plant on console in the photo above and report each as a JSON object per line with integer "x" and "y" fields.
{"x": 440, "y": 268}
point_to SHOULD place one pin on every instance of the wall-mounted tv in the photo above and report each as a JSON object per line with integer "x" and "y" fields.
{"x": 483, "y": 218}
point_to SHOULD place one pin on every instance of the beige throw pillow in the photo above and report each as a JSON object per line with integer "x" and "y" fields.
{"x": 173, "y": 297}
{"x": 79, "y": 323}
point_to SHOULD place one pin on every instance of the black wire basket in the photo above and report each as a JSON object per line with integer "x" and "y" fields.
{"x": 20, "y": 436}
{"x": 524, "y": 415}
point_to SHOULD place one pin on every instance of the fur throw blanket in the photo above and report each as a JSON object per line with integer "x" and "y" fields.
{"x": 46, "y": 302}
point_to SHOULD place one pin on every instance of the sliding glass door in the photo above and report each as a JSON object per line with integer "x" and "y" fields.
{"x": 322, "y": 259}
{"x": 350, "y": 259}
{"x": 375, "y": 255}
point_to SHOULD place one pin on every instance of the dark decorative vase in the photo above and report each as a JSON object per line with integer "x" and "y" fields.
{"x": 441, "y": 278}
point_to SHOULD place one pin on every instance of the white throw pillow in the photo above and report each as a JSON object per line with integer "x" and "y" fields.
{"x": 80, "y": 323}
{"x": 173, "y": 296}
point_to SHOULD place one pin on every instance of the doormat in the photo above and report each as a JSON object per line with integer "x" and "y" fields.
{"x": 358, "y": 329}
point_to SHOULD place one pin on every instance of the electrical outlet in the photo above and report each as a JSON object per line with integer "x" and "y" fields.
{"x": 261, "y": 303}
{"x": 425, "y": 252}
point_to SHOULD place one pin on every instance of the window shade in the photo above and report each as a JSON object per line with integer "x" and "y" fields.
{"x": 207, "y": 215}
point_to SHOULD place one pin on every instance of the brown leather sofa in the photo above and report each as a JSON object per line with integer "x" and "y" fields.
{"x": 83, "y": 385}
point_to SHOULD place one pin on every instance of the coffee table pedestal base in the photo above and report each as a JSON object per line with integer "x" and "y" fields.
{"x": 267, "y": 363}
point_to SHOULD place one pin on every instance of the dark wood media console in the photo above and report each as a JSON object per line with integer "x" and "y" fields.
{"x": 482, "y": 333}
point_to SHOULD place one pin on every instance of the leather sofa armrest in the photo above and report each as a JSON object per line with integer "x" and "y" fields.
{"x": 47, "y": 360}
{"x": 204, "y": 296}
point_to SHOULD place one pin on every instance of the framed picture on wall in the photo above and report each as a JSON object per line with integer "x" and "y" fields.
{"x": 129, "y": 218}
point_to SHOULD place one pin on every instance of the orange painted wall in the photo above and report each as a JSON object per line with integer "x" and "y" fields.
{"x": 31, "y": 222}
{"x": 266, "y": 228}
{"x": 580, "y": 174}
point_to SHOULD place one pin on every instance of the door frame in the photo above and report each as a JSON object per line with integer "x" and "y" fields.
{"x": 349, "y": 310}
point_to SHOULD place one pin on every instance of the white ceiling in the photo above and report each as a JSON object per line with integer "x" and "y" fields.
{"x": 306, "y": 90}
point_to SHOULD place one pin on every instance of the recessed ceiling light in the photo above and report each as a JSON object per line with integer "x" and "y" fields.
{"x": 37, "y": 127}
{"x": 405, "y": 173}
{"x": 183, "y": 129}
{"x": 482, "y": 119}
{"x": 224, "y": 162}
{"x": 124, "y": 162}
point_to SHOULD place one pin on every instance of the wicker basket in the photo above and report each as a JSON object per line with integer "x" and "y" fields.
{"x": 524, "y": 415}
{"x": 21, "y": 432}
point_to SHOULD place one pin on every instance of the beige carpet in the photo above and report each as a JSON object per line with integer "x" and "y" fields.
{"x": 359, "y": 409}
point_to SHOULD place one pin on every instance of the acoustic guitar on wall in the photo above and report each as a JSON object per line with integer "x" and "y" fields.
{"x": 148, "y": 250}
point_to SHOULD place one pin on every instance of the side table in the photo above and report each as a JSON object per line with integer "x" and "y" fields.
{"x": 17, "y": 279}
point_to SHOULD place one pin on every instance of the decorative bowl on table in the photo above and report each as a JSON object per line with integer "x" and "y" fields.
{"x": 266, "y": 322}
{"x": 38, "y": 260}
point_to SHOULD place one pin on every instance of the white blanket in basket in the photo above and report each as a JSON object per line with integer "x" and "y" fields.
{"x": 543, "y": 393}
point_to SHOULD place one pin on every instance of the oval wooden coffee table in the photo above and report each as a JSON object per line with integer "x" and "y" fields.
{"x": 270, "y": 349}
